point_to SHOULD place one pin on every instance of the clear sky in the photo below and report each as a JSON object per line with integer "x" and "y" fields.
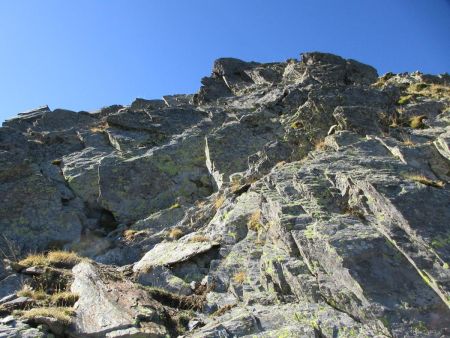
{"x": 85, "y": 54}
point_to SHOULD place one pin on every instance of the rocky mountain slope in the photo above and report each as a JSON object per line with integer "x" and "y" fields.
{"x": 306, "y": 198}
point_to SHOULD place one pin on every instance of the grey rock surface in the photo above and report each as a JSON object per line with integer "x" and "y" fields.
{"x": 306, "y": 198}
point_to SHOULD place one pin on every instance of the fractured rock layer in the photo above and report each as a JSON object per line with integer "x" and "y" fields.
{"x": 303, "y": 198}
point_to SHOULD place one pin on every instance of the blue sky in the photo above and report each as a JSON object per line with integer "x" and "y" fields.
{"x": 85, "y": 54}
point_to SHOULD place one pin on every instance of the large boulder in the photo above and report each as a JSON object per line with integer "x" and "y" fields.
{"x": 109, "y": 306}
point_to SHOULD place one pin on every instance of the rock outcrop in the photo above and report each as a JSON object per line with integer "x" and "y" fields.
{"x": 304, "y": 198}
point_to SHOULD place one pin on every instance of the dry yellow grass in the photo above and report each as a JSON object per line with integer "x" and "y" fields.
{"x": 425, "y": 180}
{"x": 34, "y": 260}
{"x": 129, "y": 234}
{"x": 99, "y": 128}
{"x": 62, "y": 314}
{"x": 320, "y": 145}
{"x": 235, "y": 185}
{"x": 408, "y": 143}
{"x": 219, "y": 202}
{"x": 254, "y": 222}
{"x": 199, "y": 238}
{"x": 175, "y": 206}
{"x": 28, "y": 292}
{"x": 175, "y": 233}
{"x": 64, "y": 298}
{"x": 240, "y": 277}
{"x": 65, "y": 259}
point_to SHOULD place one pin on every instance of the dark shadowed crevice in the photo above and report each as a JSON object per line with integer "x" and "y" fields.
{"x": 107, "y": 220}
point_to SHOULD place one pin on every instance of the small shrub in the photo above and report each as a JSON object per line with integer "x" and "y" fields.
{"x": 296, "y": 125}
{"x": 62, "y": 314}
{"x": 425, "y": 180}
{"x": 239, "y": 277}
{"x": 64, "y": 298}
{"x": 175, "y": 233}
{"x": 416, "y": 122}
{"x": 219, "y": 202}
{"x": 63, "y": 259}
{"x": 57, "y": 162}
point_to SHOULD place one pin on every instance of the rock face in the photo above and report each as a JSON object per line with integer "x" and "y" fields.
{"x": 304, "y": 198}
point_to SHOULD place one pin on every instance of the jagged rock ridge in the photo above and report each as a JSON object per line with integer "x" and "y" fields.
{"x": 297, "y": 199}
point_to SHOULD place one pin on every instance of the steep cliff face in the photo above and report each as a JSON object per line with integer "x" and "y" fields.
{"x": 298, "y": 199}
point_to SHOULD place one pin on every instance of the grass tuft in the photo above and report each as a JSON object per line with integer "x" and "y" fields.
{"x": 175, "y": 206}
{"x": 320, "y": 145}
{"x": 219, "y": 202}
{"x": 63, "y": 259}
{"x": 175, "y": 233}
{"x": 296, "y": 125}
{"x": 129, "y": 234}
{"x": 425, "y": 180}
{"x": 60, "y": 259}
{"x": 199, "y": 238}
{"x": 64, "y": 298}
{"x": 254, "y": 222}
{"x": 416, "y": 122}
{"x": 62, "y": 314}
{"x": 222, "y": 310}
{"x": 28, "y": 292}
{"x": 239, "y": 277}
{"x": 404, "y": 100}
{"x": 34, "y": 260}
{"x": 100, "y": 128}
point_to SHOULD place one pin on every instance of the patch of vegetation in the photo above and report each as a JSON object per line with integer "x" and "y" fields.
{"x": 431, "y": 90}
{"x": 100, "y": 127}
{"x": 65, "y": 298}
{"x": 425, "y": 180}
{"x": 219, "y": 202}
{"x": 199, "y": 238}
{"x": 63, "y": 259}
{"x": 34, "y": 260}
{"x": 175, "y": 233}
{"x": 62, "y": 314}
{"x": 407, "y": 141}
{"x": 239, "y": 277}
{"x": 404, "y": 100}
{"x": 192, "y": 302}
{"x": 416, "y": 122}
{"x": 28, "y": 292}
{"x": 57, "y": 162}
{"x": 320, "y": 145}
{"x": 223, "y": 309}
{"x": 296, "y": 125}
{"x": 254, "y": 222}
{"x": 129, "y": 234}
{"x": 175, "y": 206}
{"x": 441, "y": 241}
